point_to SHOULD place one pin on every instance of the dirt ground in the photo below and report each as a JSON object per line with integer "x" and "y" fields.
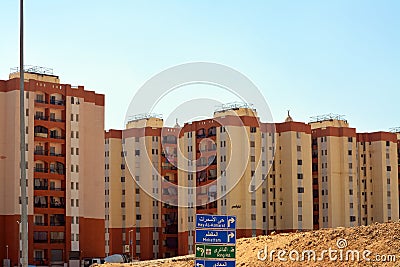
{"x": 376, "y": 245}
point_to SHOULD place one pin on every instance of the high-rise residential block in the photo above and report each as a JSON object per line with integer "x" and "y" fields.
{"x": 64, "y": 159}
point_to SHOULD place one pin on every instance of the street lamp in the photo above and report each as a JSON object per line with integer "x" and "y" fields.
{"x": 19, "y": 240}
{"x": 130, "y": 244}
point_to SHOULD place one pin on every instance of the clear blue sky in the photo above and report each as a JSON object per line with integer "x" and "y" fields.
{"x": 312, "y": 57}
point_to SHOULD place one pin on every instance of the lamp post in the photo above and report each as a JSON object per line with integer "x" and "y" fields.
{"x": 24, "y": 204}
{"x": 19, "y": 240}
{"x": 130, "y": 244}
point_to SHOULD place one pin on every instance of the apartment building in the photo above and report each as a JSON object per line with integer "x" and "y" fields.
{"x": 354, "y": 174}
{"x": 289, "y": 184}
{"x": 263, "y": 171}
{"x": 378, "y": 177}
{"x": 64, "y": 159}
{"x": 141, "y": 194}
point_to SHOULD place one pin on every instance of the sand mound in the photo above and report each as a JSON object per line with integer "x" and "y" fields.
{"x": 373, "y": 245}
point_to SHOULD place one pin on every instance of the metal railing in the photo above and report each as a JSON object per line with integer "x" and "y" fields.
{"x": 57, "y": 102}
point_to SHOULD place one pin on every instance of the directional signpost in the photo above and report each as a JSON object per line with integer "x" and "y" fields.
{"x": 215, "y": 240}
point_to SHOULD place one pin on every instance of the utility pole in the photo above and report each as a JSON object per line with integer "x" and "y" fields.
{"x": 24, "y": 204}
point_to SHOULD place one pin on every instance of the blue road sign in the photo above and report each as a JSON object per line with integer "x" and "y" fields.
{"x": 215, "y": 221}
{"x": 214, "y": 263}
{"x": 215, "y": 236}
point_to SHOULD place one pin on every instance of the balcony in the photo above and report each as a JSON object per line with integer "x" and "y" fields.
{"x": 57, "y": 241}
{"x": 40, "y": 240}
{"x": 41, "y": 169}
{"x": 57, "y": 102}
{"x": 41, "y": 118}
{"x": 41, "y": 187}
{"x": 40, "y": 223}
{"x": 57, "y": 205}
{"x": 57, "y": 171}
{"x": 56, "y": 154}
{"x": 43, "y": 135}
{"x": 56, "y": 120}
{"x": 41, "y": 101}
{"x": 57, "y": 223}
{"x": 56, "y": 136}
{"x": 40, "y": 152}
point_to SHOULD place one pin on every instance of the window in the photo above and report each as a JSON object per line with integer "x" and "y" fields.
{"x": 350, "y": 152}
{"x": 300, "y": 190}
{"x": 77, "y": 186}
{"x": 253, "y": 129}
{"x": 253, "y": 217}
{"x": 300, "y": 218}
{"x": 299, "y": 162}
{"x": 77, "y": 168}
{"x": 77, "y": 151}
{"x": 253, "y": 159}
{"x": 350, "y": 139}
{"x": 72, "y": 100}
{"x": 72, "y": 202}
{"x": 351, "y": 192}
{"x": 72, "y": 185}
{"x": 350, "y": 178}
{"x": 298, "y": 148}
{"x": 77, "y": 202}
{"x": 299, "y": 176}
{"x": 300, "y": 204}
{"x": 72, "y": 117}
{"x": 122, "y": 179}
{"x": 122, "y": 204}
{"x": 137, "y": 152}
{"x": 77, "y": 117}
{"x": 252, "y": 144}
{"x": 352, "y": 218}
{"x": 138, "y": 217}
{"x": 350, "y": 165}
{"x": 388, "y": 168}
{"x": 77, "y": 134}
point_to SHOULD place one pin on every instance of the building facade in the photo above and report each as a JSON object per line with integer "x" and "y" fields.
{"x": 281, "y": 177}
{"x": 141, "y": 194}
{"x": 64, "y": 159}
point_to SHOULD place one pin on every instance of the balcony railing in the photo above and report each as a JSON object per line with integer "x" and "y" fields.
{"x": 57, "y": 206}
{"x": 41, "y": 152}
{"x": 56, "y": 154}
{"x": 56, "y": 136}
{"x": 43, "y": 135}
{"x": 40, "y": 169}
{"x": 57, "y": 223}
{"x": 40, "y": 223}
{"x": 40, "y": 101}
{"x": 41, "y": 118}
{"x": 57, "y": 102}
{"x": 39, "y": 205}
{"x": 57, "y": 171}
{"x": 57, "y": 189}
{"x": 58, "y": 240}
{"x": 41, "y": 187}
{"x": 57, "y": 120}
{"x": 40, "y": 241}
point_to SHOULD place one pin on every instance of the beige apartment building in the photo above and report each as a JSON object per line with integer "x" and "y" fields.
{"x": 282, "y": 177}
{"x": 356, "y": 176}
{"x": 141, "y": 194}
{"x": 64, "y": 159}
